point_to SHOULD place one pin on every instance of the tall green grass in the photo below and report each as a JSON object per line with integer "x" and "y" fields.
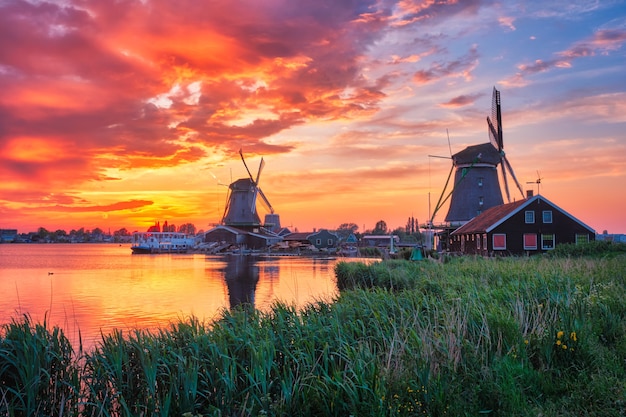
{"x": 508, "y": 337}
{"x": 38, "y": 370}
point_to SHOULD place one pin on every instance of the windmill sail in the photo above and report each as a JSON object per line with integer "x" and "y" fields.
{"x": 496, "y": 138}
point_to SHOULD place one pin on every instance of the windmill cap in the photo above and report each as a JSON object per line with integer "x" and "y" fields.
{"x": 485, "y": 153}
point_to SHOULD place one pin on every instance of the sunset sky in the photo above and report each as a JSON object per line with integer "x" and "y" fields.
{"x": 122, "y": 113}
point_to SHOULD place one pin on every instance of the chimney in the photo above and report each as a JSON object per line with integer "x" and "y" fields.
{"x": 529, "y": 193}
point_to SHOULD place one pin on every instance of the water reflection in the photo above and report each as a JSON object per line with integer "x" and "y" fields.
{"x": 96, "y": 288}
{"x": 241, "y": 274}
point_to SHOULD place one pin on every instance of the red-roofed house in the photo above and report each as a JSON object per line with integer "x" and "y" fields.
{"x": 529, "y": 226}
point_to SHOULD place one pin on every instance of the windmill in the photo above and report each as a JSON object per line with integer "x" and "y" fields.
{"x": 476, "y": 186}
{"x": 241, "y": 208}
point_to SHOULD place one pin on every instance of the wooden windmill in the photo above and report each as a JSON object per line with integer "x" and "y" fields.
{"x": 476, "y": 185}
{"x": 241, "y": 208}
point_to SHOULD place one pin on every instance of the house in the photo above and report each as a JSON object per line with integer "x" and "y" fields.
{"x": 8, "y": 235}
{"x": 233, "y": 236}
{"x": 529, "y": 226}
{"x": 322, "y": 239}
{"x": 614, "y": 237}
{"x": 379, "y": 240}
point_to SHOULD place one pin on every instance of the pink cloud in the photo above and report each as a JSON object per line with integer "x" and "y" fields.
{"x": 602, "y": 41}
{"x": 461, "y": 67}
{"x": 462, "y": 100}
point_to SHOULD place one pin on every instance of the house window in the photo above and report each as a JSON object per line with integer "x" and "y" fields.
{"x": 330, "y": 242}
{"x": 530, "y": 241}
{"x": 481, "y": 201}
{"x": 318, "y": 242}
{"x": 478, "y": 242}
{"x": 480, "y": 181}
{"x": 582, "y": 238}
{"x": 547, "y": 216}
{"x": 530, "y": 216}
{"x": 485, "y": 241}
{"x": 547, "y": 241}
{"x": 499, "y": 241}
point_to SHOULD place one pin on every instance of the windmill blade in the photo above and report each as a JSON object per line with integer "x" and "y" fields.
{"x": 510, "y": 169}
{"x": 258, "y": 175}
{"x": 266, "y": 202}
{"x": 246, "y": 165}
{"x": 227, "y": 206}
{"x": 253, "y": 205}
{"x": 496, "y": 113}
{"x": 493, "y": 135}
{"x": 506, "y": 183}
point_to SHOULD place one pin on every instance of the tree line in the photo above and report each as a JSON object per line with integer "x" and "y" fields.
{"x": 408, "y": 233}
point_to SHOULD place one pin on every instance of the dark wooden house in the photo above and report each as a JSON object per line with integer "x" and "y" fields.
{"x": 241, "y": 238}
{"x": 530, "y": 226}
{"x": 322, "y": 239}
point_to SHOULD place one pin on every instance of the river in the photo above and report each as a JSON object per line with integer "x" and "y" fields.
{"x": 94, "y": 288}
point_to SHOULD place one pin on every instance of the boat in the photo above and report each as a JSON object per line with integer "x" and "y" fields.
{"x": 161, "y": 242}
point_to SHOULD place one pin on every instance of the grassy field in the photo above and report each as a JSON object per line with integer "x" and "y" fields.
{"x": 535, "y": 336}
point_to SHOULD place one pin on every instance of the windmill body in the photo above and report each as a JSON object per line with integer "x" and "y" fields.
{"x": 242, "y": 198}
{"x": 476, "y": 183}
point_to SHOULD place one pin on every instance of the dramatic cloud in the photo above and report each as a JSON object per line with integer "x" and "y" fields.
{"x": 124, "y": 107}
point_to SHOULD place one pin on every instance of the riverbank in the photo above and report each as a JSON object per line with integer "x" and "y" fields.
{"x": 510, "y": 337}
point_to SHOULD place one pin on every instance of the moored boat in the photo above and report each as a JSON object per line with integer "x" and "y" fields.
{"x": 161, "y": 242}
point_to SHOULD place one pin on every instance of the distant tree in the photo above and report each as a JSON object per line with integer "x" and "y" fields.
{"x": 406, "y": 237}
{"x": 345, "y": 229}
{"x": 411, "y": 225}
{"x": 380, "y": 228}
{"x": 188, "y": 228}
{"x": 43, "y": 233}
{"x": 122, "y": 232}
{"x": 59, "y": 236}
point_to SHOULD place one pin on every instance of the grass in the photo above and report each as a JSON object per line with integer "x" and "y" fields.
{"x": 471, "y": 336}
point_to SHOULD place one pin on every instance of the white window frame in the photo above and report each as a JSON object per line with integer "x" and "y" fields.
{"x": 530, "y": 247}
{"x": 330, "y": 242}
{"x": 318, "y": 242}
{"x": 545, "y": 247}
{"x": 493, "y": 241}
{"x": 546, "y": 216}
{"x": 582, "y": 238}
{"x": 529, "y": 216}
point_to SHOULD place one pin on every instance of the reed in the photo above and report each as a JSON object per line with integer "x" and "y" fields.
{"x": 38, "y": 372}
{"x": 514, "y": 337}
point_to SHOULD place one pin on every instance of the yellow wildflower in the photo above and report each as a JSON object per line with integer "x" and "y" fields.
{"x": 559, "y": 334}
{"x": 558, "y": 343}
{"x": 572, "y": 336}
{"x": 564, "y": 346}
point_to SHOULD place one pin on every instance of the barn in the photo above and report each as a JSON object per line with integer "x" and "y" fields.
{"x": 525, "y": 227}
{"x": 233, "y": 236}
